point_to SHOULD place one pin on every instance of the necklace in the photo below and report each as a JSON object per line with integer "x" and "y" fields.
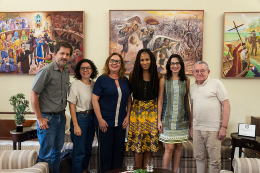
{"x": 145, "y": 88}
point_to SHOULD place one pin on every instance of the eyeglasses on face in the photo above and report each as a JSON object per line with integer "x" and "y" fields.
{"x": 85, "y": 68}
{"x": 115, "y": 61}
{"x": 199, "y": 71}
{"x": 175, "y": 63}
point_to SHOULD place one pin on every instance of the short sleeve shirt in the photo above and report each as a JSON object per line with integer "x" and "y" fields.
{"x": 80, "y": 94}
{"x": 106, "y": 88}
{"x": 52, "y": 86}
{"x": 206, "y": 100}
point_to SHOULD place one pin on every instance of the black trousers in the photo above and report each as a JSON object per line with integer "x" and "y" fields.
{"x": 111, "y": 148}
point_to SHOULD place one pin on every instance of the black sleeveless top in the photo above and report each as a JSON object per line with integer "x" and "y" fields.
{"x": 148, "y": 94}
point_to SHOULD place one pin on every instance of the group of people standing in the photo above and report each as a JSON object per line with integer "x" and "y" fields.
{"x": 159, "y": 112}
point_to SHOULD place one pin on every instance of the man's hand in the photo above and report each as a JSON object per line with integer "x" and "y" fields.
{"x": 19, "y": 64}
{"x": 191, "y": 132}
{"x": 43, "y": 123}
{"x": 102, "y": 125}
{"x": 125, "y": 122}
{"x": 160, "y": 126}
{"x": 222, "y": 133}
{"x": 77, "y": 131}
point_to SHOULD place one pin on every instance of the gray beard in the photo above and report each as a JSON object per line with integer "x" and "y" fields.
{"x": 62, "y": 64}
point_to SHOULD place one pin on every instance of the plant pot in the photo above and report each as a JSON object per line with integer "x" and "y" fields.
{"x": 19, "y": 127}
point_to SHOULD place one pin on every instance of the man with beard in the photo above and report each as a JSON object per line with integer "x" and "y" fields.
{"x": 49, "y": 99}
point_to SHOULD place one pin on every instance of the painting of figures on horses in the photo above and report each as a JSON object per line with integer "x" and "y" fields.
{"x": 163, "y": 32}
{"x": 241, "y": 54}
{"x": 27, "y": 39}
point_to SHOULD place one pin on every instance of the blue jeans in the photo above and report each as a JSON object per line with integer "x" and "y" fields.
{"x": 82, "y": 145}
{"x": 51, "y": 140}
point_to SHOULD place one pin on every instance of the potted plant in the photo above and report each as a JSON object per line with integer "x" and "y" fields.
{"x": 20, "y": 107}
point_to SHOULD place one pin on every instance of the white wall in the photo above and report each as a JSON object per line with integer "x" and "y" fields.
{"x": 243, "y": 93}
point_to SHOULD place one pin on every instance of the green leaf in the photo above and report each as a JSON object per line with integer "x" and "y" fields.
{"x": 20, "y": 107}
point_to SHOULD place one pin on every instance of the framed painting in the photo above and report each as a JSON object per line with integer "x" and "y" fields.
{"x": 27, "y": 39}
{"x": 164, "y": 32}
{"x": 241, "y": 55}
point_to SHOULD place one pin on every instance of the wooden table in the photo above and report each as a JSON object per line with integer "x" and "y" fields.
{"x": 8, "y": 124}
{"x": 243, "y": 142}
{"x": 155, "y": 170}
{"x": 19, "y": 137}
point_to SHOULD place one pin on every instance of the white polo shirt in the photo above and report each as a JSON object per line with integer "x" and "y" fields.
{"x": 206, "y": 100}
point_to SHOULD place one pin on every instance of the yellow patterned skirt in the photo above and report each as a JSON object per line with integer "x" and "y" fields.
{"x": 143, "y": 132}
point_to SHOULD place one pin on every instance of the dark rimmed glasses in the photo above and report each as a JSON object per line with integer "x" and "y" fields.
{"x": 175, "y": 63}
{"x": 115, "y": 61}
{"x": 85, "y": 68}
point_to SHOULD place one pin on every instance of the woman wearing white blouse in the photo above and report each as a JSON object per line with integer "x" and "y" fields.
{"x": 82, "y": 114}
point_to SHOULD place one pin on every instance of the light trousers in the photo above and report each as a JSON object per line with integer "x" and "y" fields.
{"x": 207, "y": 140}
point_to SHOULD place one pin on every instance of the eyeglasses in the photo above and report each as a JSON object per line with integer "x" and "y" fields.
{"x": 116, "y": 61}
{"x": 175, "y": 63}
{"x": 201, "y": 71}
{"x": 85, "y": 68}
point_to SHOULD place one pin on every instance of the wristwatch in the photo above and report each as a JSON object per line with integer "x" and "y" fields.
{"x": 224, "y": 126}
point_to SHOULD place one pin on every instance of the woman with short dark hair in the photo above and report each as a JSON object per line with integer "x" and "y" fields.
{"x": 82, "y": 114}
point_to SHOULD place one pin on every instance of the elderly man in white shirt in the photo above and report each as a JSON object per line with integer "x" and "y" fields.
{"x": 210, "y": 111}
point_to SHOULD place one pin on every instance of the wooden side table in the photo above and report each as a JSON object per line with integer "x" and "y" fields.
{"x": 19, "y": 137}
{"x": 243, "y": 142}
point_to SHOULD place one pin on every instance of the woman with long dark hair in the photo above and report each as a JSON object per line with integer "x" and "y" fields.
{"x": 143, "y": 133}
{"x": 174, "y": 111}
{"x": 82, "y": 114}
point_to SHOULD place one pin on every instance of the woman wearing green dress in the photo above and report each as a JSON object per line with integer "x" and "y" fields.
{"x": 174, "y": 111}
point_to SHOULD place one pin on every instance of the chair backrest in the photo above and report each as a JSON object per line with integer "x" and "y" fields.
{"x": 246, "y": 165}
{"x": 17, "y": 159}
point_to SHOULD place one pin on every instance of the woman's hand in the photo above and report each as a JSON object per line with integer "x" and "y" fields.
{"x": 125, "y": 122}
{"x": 77, "y": 131}
{"x": 160, "y": 126}
{"x": 191, "y": 132}
{"x": 102, "y": 125}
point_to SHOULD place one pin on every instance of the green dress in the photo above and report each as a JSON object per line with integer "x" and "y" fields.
{"x": 175, "y": 117}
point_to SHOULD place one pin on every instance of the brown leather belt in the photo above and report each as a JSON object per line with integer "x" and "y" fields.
{"x": 87, "y": 111}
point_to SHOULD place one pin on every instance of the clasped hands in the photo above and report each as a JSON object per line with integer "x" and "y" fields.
{"x": 103, "y": 124}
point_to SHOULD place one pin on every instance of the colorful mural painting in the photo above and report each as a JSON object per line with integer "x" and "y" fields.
{"x": 241, "y": 55}
{"x": 27, "y": 39}
{"x": 163, "y": 32}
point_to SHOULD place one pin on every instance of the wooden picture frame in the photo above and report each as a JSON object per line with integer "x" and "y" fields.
{"x": 241, "y": 37}
{"x": 27, "y": 39}
{"x": 164, "y": 32}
